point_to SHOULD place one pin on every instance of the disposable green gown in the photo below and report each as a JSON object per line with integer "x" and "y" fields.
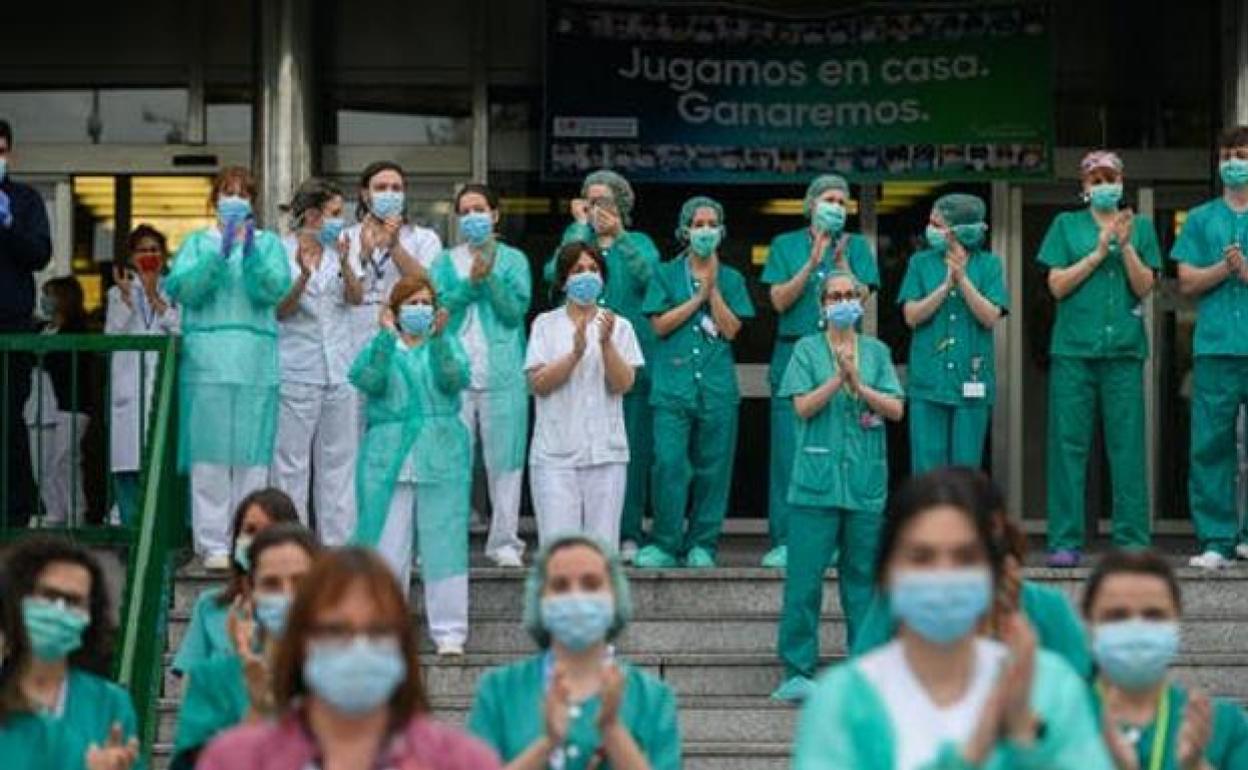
{"x": 507, "y": 713}
{"x": 1220, "y": 377}
{"x": 413, "y": 425}
{"x": 1049, "y": 611}
{"x": 501, "y": 300}
{"x": 206, "y": 636}
{"x": 1228, "y": 745}
{"x": 845, "y": 725}
{"x": 631, "y": 263}
{"x": 229, "y": 366}
{"x": 788, "y": 252}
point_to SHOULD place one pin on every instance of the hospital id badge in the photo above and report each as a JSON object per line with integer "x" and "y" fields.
{"x": 974, "y": 389}
{"x": 708, "y": 327}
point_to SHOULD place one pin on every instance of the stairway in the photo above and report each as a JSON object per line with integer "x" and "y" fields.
{"x": 711, "y": 635}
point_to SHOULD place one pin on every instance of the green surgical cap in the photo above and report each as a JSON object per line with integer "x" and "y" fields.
{"x": 690, "y": 209}
{"x": 819, "y": 186}
{"x": 960, "y": 209}
{"x": 621, "y": 190}
{"x": 536, "y": 580}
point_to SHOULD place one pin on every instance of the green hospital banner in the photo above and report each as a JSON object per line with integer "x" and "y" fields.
{"x": 725, "y": 94}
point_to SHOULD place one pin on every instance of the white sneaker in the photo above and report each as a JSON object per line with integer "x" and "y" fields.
{"x": 1210, "y": 560}
{"x": 628, "y": 551}
{"x": 1241, "y": 550}
{"x": 217, "y": 562}
{"x": 508, "y": 557}
{"x": 450, "y": 650}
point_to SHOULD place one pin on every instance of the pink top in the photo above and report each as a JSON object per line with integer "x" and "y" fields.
{"x": 287, "y": 745}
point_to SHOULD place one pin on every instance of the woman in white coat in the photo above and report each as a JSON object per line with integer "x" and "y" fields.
{"x": 138, "y": 305}
{"x": 383, "y": 247}
{"x": 581, "y": 360}
{"x": 317, "y": 422}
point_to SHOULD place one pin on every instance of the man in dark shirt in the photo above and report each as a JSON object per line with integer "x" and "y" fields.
{"x": 25, "y": 248}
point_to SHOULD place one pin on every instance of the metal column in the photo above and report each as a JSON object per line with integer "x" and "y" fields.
{"x": 283, "y": 140}
{"x": 1007, "y": 415}
{"x": 1235, "y": 59}
{"x": 479, "y": 70}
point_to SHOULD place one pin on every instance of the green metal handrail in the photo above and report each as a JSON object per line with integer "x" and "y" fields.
{"x": 159, "y": 531}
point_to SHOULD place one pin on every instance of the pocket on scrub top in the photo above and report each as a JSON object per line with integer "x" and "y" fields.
{"x": 812, "y": 468}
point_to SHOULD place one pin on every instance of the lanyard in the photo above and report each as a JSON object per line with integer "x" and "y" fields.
{"x": 1161, "y": 728}
{"x": 146, "y": 311}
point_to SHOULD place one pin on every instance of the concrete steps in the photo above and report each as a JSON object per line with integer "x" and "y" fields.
{"x": 711, "y": 635}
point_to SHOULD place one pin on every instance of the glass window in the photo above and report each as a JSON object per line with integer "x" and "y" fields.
{"x": 143, "y": 116}
{"x": 47, "y": 116}
{"x": 229, "y": 123}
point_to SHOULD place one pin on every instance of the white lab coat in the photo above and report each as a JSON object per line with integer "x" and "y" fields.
{"x": 318, "y": 434}
{"x": 125, "y": 437}
{"x": 578, "y": 458}
{"x": 379, "y": 274}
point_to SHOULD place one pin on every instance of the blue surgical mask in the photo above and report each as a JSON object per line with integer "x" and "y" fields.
{"x": 971, "y": 235}
{"x": 936, "y": 238}
{"x": 242, "y": 552}
{"x": 416, "y": 319}
{"x": 941, "y": 605}
{"x": 476, "y": 227}
{"x": 1134, "y": 654}
{"x": 584, "y": 288}
{"x": 355, "y": 677}
{"x": 271, "y": 612}
{"x": 331, "y": 230}
{"x": 829, "y": 217}
{"x": 578, "y": 621}
{"x": 4, "y": 168}
{"x": 1234, "y": 172}
{"x": 233, "y": 208}
{"x": 54, "y": 629}
{"x": 1105, "y": 196}
{"x": 704, "y": 240}
{"x": 386, "y": 203}
{"x": 843, "y": 314}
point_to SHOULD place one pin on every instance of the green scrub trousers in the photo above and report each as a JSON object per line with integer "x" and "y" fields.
{"x": 1077, "y": 386}
{"x": 693, "y": 455}
{"x": 944, "y": 434}
{"x": 1220, "y": 388}
{"x": 816, "y": 535}
{"x": 639, "y": 426}
{"x": 783, "y": 446}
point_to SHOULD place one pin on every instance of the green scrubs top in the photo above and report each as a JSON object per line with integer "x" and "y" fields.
{"x": 215, "y": 700}
{"x": 691, "y": 368}
{"x": 92, "y": 706}
{"x": 842, "y": 452}
{"x": 1228, "y": 745}
{"x": 1222, "y": 312}
{"x": 952, "y": 347}
{"x": 846, "y": 725}
{"x": 1049, "y": 611}
{"x": 31, "y": 742}
{"x": 631, "y": 262}
{"x": 206, "y": 636}
{"x": 789, "y": 251}
{"x": 507, "y": 714}
{"x": 1102, "y": 318}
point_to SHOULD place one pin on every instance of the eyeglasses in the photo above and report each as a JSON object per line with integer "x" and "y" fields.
{"x": 344, "y": 632}
{"x": 840, "y": 296}
{"x": 50, "y": 594}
